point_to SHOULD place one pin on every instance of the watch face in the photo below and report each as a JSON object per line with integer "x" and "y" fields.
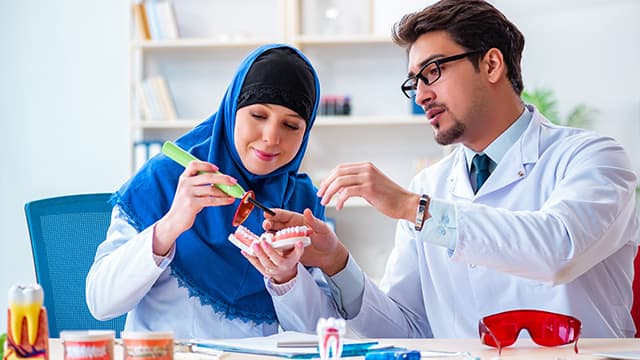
{"x": 420, "y": 213}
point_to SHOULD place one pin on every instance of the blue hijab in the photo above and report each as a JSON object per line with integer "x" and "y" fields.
{"x": 205, "y": 262}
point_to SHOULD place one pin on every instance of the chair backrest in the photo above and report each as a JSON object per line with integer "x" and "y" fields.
{"x": 65, "y": 232}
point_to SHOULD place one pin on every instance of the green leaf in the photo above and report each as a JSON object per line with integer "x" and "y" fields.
{"x": 581, "y": 116}
{"x": 545, "y": 101}
{"x": 3, "y": 338}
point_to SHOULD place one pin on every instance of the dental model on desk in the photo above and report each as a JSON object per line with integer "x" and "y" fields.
{"x": 27, "y": 330}
{"x": 330, "y": 335}
{"x": 283, "y": 240}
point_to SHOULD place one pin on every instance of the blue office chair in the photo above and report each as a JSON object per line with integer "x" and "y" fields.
{"x": 65, "y": 232}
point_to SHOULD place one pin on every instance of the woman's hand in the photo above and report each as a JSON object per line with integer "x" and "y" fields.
{"x": 280, "y": 267}
{"x": 195, "y": 191}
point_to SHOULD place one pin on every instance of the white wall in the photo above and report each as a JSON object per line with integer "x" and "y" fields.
{"x": 63, "y": 113}
{"x": 587, "y": 51}
{"x": 64, "y": 94}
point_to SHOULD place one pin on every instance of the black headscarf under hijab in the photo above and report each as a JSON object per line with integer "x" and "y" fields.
{"x": 280, "y": 77}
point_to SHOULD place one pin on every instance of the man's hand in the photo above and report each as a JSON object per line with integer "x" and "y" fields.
{"x": 367, "y": 181}
{"x": 325, "y": 252}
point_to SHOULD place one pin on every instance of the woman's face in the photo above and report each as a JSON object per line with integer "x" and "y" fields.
{"x": 267, "y": 136}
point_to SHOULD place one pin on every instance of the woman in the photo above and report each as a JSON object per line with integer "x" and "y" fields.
{"x": 166, "y": 260}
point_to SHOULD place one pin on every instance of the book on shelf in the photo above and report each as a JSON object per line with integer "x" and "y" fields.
{"x": 145, "y": 150}
{"x": 156, "y": 101}
{"x": 141, "y": 23}
{"x": 161, "y": 19}
{"x": 168, "y": 107}
{"x": 143, "y": 103}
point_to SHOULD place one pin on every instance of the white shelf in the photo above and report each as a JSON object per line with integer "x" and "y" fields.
{"x": 223, "y": 43}
{"x": 321, "y": 121}
{"x": 341, "y": 39}
{"x": 198, "y": 43}
{"x": 370, "y": 120}
{"x": 180, "y": 124}
{"x": 355, "y": 202}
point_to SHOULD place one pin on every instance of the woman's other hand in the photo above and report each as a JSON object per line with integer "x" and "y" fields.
{"x": 326, "y": 251}
{"x": 280, "y": 267}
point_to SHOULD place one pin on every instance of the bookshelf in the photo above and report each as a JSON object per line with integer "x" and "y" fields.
{"x": 355, "y": 60}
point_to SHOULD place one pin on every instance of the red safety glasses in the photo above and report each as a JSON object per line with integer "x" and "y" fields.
{"x": 546, "y": 328}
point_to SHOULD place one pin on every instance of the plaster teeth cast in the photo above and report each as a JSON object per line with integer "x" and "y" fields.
{"x": 330, "y": 333}
{"x": 296, "y": 231}
{"x": 25, "y": 301}
{"x": 283, "y": 239}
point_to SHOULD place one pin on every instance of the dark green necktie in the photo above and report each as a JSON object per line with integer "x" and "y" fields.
{"x": 481, "y": 162}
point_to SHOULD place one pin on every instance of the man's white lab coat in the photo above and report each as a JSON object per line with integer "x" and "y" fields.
{"x": 553, "y": 228}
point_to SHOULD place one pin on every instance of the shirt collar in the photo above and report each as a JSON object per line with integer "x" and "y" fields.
{"x": 500, "y": 145}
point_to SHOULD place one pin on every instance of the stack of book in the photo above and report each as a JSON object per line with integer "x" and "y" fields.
{"x": 156, "y": 101}
{"x": 144, "y": 150}
{"x": 155, "y": 20}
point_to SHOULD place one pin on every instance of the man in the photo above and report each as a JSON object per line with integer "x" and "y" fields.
{"x": 523, "y": 215}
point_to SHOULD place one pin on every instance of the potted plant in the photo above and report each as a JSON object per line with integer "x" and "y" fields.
{"x": 545, "y": 101}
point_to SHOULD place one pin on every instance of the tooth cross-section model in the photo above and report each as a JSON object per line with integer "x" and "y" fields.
{"x": 330, "y": 336}
{"x": 27, "y": 329}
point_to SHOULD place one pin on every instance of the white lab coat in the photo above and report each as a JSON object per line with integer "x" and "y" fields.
{"x": 553, "y": 228}
{"x": 126, "y": 278}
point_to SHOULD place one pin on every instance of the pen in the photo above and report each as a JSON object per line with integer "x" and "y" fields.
{"x": 439, "y": 354}
{"x": 258, "y": 204}
{"x": 297, "y": 344}
{"x": 205, "y": 350}
{"x": 314, "y": 344}
{"x": 196, "y": 351}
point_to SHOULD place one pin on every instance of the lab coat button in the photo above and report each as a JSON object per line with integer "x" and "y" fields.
{"x": 445, "y": 219}
{"x": 442, "y": 231}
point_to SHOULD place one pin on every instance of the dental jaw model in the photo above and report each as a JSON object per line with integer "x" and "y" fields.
{"x": 284, "y": 239}
{"x": 28, "y": 332}
{"x": 330, "y": 335}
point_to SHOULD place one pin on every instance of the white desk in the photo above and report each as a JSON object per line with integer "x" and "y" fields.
{"x": 523, "y": 349}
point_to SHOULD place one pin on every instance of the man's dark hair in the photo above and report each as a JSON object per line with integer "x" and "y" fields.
{"x": 474, "y": 25}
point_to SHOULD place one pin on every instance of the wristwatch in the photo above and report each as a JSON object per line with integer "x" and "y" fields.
{"x": 422, "y": 207}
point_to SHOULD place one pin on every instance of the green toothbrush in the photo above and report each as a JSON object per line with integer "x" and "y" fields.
{"x": 183, "y": 158}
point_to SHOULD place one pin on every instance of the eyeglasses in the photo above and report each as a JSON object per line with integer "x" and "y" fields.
{"x": 546, "y": 328}
{"x": 429, "y": 73}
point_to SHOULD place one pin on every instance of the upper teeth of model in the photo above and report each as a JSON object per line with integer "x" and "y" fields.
{"x": 25, "y": 301}
{"x": 292, "y": 230}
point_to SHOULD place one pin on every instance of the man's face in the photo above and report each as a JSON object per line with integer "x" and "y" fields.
{"x": 454, "y": 103}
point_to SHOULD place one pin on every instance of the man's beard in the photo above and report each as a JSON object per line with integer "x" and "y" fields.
{"x": 450, "y": 136}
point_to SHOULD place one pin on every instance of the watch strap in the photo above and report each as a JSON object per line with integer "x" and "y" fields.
{"x": 423, "y": 207}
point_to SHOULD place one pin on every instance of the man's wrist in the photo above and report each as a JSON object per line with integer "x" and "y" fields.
{"x": 422, "y": 211}
{"x": 337, "y": 262}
